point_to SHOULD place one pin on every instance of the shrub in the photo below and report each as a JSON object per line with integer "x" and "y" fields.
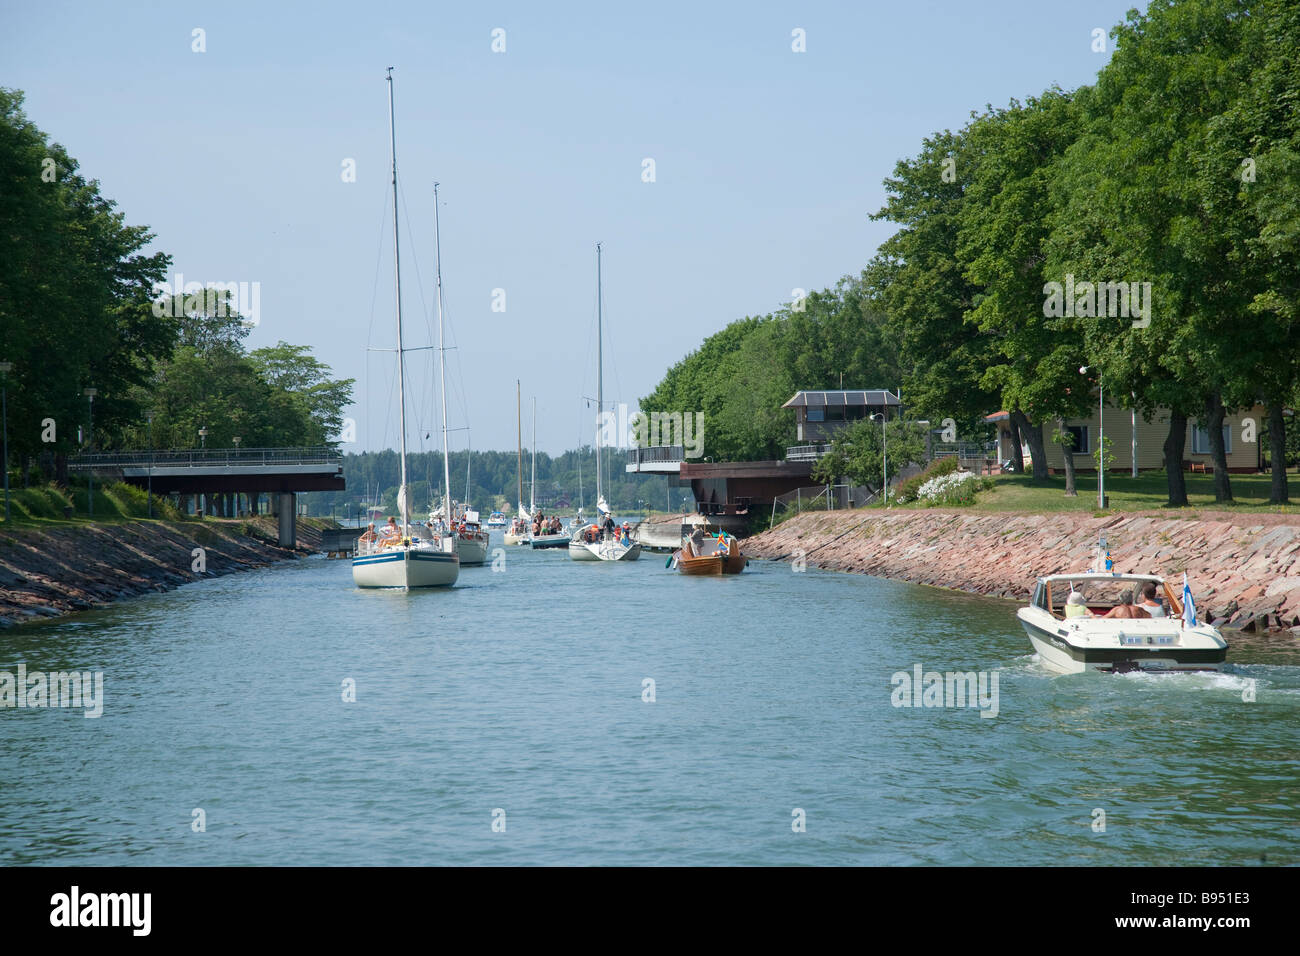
{"x": 954, "y": 489}
{"x": 907, "y": 490}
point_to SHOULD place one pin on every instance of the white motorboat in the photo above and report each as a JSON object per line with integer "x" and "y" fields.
{"x": 403, "y": 559}
{"x": 496, "y": 519}
{"x": 1079, "y": 622}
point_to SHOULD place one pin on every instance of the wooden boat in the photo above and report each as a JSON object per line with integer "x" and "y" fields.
{"x": 719, "y": 555}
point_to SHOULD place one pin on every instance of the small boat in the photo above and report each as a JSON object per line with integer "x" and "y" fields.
{"x": 496, "y": 519}
{"x": 703, "y": 553}
{"x": 590, "y": 542}
{"x": 1069, "y": 624}
{"x": 549, "y": 539}
{"x": 517, "y": 533}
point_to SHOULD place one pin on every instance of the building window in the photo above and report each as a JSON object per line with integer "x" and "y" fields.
{"x": 1201, "y": 440}
{"x": 1081, "y": 444}
{"x": 816, "y": 414}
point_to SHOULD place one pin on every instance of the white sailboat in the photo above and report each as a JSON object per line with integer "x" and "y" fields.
{"x": 539, "y": 538}
{"x": 599, "y": 541}
{"x": 468, "y": 537}
{"x": 403, "y": 560}
{"x": 517, "y": 533}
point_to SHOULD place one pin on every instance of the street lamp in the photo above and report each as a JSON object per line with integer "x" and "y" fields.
{"x": 1134, "y": 450}
{"x": 884, "y": 459}
{"x": 5, "y": 369}
{"x": 203, "y": 437}
{"x": 1101, "y": 439}
{"x": 90, "y": 394}
{"x": 149, "y": 416}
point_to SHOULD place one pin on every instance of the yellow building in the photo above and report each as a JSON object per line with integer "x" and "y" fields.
{"x": 1244, "y": 432}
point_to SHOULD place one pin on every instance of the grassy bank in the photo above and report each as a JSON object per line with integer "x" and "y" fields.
{"x": 1147, "y": 492}
{"x": 48, "y": 505}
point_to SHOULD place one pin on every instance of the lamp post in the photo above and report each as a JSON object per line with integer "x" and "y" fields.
{"x": 5, "y": 369}
{"x": 884, "y": 458}
{"x": 90, "y": 394}
{"x": 236, "y": 441}
{"x": 203, "y": 437}
{"x": 1134, "y": 450}
{"x": 149, "y": 416}
{"x": 1101, "y": 439}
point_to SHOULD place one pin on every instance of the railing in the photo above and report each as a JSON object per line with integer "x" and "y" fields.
{"x": 197, "y": 457}
{"x": 966, "y": 449}
{"x": 656, "y": 453}
{"x": 806, "y": 452}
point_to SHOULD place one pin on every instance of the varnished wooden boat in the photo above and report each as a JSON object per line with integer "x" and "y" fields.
{"x": 729, "y": 561}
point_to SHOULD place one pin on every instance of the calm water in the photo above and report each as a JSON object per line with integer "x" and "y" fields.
{"x": 522, "y": 691}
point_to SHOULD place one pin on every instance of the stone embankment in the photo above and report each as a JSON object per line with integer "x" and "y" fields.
{"x": 1244, "y": 569}
{"x": 45, "y": 572}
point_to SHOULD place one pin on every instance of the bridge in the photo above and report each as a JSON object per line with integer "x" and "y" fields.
{"x": 218, "y": 474}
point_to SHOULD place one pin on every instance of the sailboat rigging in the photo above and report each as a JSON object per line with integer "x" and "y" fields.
{"x": 400, "y": 559}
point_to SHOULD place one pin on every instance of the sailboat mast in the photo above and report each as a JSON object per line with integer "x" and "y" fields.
{"x": 600, "y": 377}
{"x": 397, "y": 278}
{"x": 532, "y": 484}
{"x": 519, "y": 445}
{"x": 442, "y": 359}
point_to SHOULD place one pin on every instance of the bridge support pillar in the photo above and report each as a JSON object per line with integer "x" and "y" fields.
{"x": 288, "y": 519}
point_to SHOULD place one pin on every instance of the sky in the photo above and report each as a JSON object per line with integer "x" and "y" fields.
{"x": 767, "y": 163}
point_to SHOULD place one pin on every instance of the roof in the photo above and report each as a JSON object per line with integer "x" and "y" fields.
{"x": 876, "y": 397}
{"x": 1102, "y": 576}
{"x": 998, "y": 417}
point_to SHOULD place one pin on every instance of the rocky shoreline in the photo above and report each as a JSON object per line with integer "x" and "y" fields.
{"x": 48, "y": 572}
{"x": 1244, "y": 569}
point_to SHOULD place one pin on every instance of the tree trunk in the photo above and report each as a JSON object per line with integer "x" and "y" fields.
{"x": 1067, "y": 452}
{"x": 1214, "y": 412}
{"x": 1277, "y": 494}
{"x": 1033, "y": 434}
{"x": 1017, "y": 456}
{"x": 1175, "y": 442}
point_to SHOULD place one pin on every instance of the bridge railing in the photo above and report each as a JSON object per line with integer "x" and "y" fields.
{"x": 656, "y": 454}
{"x": 198, "y": 457}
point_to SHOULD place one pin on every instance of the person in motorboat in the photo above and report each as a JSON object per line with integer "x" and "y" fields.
{"x": 1126, "y": 608}
{"x": 1149, "y": 602}
{"x": 1076, "y": 606}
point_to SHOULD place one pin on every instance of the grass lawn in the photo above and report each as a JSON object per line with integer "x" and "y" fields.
{"x": 1148, "y": 491}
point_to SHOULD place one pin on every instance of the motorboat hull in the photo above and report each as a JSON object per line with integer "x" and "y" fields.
{"x": 405, "y": 568}
{"x": 542, "y": 541}
{"x": 513, "y": 539}
{"x": 713, "y": 564}
{"x": 1072, "y": 650}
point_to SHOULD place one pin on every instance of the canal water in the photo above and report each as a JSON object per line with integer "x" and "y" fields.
{"x": 563, "y": 713}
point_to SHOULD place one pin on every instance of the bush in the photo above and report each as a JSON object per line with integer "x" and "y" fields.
{"x": 907, "y": 490}
{"x": 954, "y": 489}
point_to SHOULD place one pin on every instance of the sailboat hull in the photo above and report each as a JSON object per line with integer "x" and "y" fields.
{"x": 472, "y": 551}
{"x": 405, "y": 568}
{"x": 603, "y": 551}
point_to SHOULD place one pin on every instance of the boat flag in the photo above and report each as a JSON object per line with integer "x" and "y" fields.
{"x": 1189, "y": 606}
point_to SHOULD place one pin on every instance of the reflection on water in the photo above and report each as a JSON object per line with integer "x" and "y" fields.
{"x": 525, "y": 692}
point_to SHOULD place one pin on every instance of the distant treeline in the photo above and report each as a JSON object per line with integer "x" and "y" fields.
{"x": 562, "y": 482}
{"x": 1146, "y": 227}
{"x": 82, "y": 307}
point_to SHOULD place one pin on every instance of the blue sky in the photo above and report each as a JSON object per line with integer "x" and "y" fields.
{"x": 767, "y": 165}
